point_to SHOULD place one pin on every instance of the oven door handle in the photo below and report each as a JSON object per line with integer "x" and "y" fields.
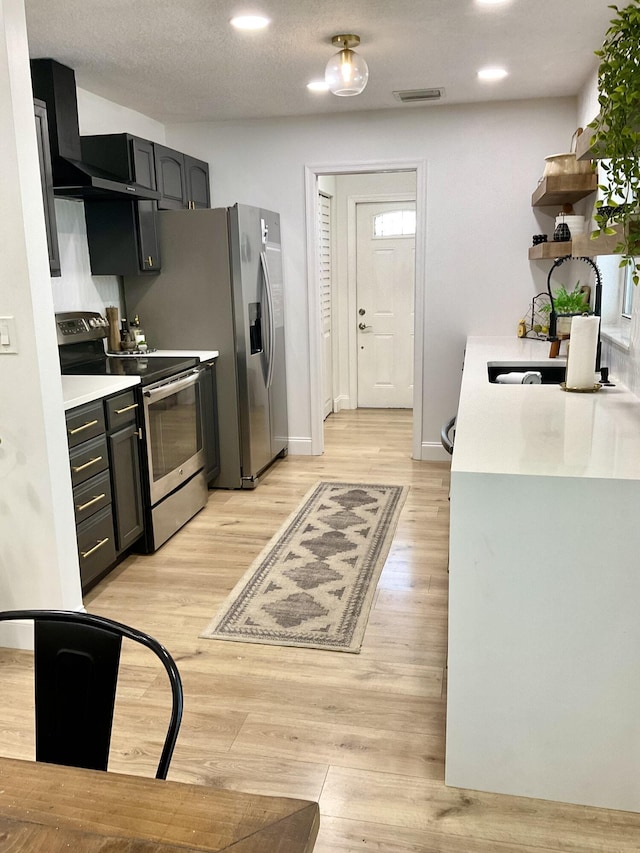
{"x": 172, "y": 387}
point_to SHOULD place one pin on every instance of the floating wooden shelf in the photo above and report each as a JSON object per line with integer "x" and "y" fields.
{"x": 584, "y": 149}
{"x": 582, "y": 246}
{"x": 549, "y": 251}
{"x": 585, "y": 247}
{"x": 564, "y": 189}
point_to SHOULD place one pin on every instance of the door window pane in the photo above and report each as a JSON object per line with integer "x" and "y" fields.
{"x": 395, "y": 223}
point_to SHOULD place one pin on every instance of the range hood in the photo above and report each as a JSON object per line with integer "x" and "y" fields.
{"x": 55, "y": 84}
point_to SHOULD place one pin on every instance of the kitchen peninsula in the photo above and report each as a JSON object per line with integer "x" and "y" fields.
{"x": 544, "y": 633}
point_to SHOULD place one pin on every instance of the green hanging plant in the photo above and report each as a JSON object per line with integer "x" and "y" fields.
{"x": 616, "y": 133}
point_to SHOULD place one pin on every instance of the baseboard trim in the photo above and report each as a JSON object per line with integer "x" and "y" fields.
{"x": 433, "y": 451}
{"x": 341, "y": 402}
{"x": 300, "y": 446}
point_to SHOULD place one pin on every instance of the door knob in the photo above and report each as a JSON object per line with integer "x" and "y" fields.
{"x": 363, "y": 326}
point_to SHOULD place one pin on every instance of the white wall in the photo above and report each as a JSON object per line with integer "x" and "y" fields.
{"x": 38, "y": 552}
{"x": 76, "y": 289}
{"x": 38, "y": 557}
{"x": 483, "y": 163}
{"x": 97, "y": 115}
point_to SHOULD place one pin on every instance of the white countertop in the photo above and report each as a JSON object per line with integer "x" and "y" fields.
{"x": 540, "y": 429}
{"x": 77, "y": 390}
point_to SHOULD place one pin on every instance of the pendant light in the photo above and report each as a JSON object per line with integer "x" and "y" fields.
{"x": 346, "y": 73}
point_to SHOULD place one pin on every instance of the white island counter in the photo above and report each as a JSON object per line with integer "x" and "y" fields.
{"x": 544, "y": 635}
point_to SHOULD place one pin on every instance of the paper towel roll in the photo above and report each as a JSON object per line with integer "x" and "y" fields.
{"x": 531, "y": 377}
{"x": 581, "y": 358}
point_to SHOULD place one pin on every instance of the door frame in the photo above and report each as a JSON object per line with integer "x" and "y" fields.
{"x": 311, "y": 174}
{"x": 352, "y": 279}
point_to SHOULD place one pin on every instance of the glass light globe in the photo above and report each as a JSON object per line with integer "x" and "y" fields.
{"x": 346, "y": 73}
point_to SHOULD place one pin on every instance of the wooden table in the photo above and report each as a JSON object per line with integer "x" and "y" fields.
{"x": 45, "y": 808}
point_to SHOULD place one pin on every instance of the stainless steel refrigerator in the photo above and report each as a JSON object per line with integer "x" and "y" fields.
{"x": 221, "y": 288}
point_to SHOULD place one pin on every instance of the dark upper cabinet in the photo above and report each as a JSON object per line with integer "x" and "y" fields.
{"x": 197, "y": 175}
{"x": 120, "y": 154}
{"x": 44, "y": 155}
{"x": 170, "y": 178}
{"x": 183, "y": 181}
{"x": 122, "y": 235}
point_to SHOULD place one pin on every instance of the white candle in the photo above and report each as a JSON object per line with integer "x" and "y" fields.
{"x": 581, "y": 358}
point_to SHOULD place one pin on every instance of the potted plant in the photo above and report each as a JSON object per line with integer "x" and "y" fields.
{"x": 616, "y": 133}
{"x": 568, "y": 304}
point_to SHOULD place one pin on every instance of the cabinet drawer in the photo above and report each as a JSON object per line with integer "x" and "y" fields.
{"x": 88, "y": 459}
{"x": 91, "y": 496}
{"x": 96, "y": 546}
{"x": 121, "y": 410}
{"x": 85, "y": 422}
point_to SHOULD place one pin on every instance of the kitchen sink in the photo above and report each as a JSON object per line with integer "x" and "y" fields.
{"x": 552, "y": 374}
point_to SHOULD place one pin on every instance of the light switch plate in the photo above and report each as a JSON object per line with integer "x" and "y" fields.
{"x": 8, "y": 338}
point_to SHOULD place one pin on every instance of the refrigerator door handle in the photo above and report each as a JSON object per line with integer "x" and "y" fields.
{"x": 272, "y": 327}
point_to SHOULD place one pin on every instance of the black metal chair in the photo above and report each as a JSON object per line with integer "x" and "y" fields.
{"x": 76, "y": 662}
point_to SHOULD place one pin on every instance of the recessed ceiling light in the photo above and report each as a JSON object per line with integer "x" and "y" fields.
{"x": 250, "y": 22}
{"x": 491, "y": 2}
{"x": 318, "y": 86}
{"x": 490, "y": 74}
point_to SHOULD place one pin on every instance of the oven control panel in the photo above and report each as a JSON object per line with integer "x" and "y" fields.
{"x": 78, "y": 326}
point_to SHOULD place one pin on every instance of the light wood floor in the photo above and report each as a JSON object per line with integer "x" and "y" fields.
{"x": 362, "y": 734}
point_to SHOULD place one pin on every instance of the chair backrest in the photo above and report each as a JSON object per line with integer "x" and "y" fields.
{"x": 76, "y": 660}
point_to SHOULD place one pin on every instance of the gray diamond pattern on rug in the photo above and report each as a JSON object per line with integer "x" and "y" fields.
{"x": 313, "y": 585}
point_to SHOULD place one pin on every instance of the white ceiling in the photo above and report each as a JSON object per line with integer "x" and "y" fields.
{"x": 180, "y": 60}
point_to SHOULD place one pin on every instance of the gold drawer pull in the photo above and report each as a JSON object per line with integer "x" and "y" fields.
{"x": 80, "y": 428}
{"x": 95, "y": 500}
{"x": 77, "y": 468}
{"x": 85, "y": 554}
{"x": 126, "y": 409}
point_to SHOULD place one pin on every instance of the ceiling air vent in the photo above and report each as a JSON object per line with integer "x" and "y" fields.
{"x": 415, "y": 96}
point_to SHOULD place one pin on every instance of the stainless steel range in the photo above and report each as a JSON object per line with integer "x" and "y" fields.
{"x": 169, "y": 395}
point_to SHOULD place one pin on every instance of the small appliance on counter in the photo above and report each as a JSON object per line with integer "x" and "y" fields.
{"x": 169, "y": 396}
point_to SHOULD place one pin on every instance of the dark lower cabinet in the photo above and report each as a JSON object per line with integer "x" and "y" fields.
{"x": 128, "y": 512}
{"x": 104, "y": 455}
{"x": 209, "y": 419}
{"x": 96, "y": 546}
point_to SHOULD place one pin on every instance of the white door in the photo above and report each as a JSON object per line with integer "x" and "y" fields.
{"x": 325, "y": 273}
{"x": 385, "y": 274}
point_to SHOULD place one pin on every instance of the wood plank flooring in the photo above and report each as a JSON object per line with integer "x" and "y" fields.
{"x": 362, "y": 734}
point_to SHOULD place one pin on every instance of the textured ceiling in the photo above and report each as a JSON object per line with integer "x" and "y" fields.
{"x": 179, "y": 60}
